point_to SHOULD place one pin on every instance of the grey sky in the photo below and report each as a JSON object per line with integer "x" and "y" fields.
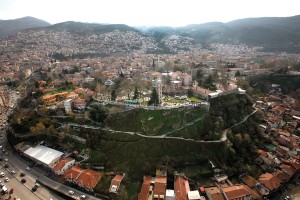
{"x": 147, "y": 12}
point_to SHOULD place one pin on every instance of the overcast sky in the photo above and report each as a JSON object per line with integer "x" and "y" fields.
{"x": 147, "y": 12}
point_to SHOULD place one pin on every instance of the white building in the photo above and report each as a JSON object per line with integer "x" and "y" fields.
{"x": 170, "y": 195}
{"x": 68, "y": 106}
{"x": 44, "y": 155}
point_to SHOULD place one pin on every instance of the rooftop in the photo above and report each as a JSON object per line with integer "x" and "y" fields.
{"x": 43, "y": 154}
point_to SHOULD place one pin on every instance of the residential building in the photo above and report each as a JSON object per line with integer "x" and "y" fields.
{"x": 160, "y": 186}
{"x": 88, "y": 179}
{"x": 214, "y": 193}
{"x": 115, "y": 183}
{"x": 63, "y": 165}
{"x": 181, "y": 188}
{"x": 73, "y": 173}
{"x": 241, "y": 192}
{"x": 270, "y": 181}
{"x": 68, "y": 106}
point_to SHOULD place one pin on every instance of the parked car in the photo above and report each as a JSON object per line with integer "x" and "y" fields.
{"x": 33, "y": 189}
{"x": 71, "y": 192}
{"x": 23, "y": 180}
{"x": 28, "y": 168}
{"x": 6, "y": 179}
{"x": 2, "y": 174}
{"x": 22, "y": 174}
{"x": 13, "y": 172}
{"x": 82, "y": 196}
{"x": 6, "y": 159}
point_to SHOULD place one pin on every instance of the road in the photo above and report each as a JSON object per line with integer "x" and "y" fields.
{"x": 38, "y": 174}
{"x": 18, "y": 164}
{"x": 20, "y": 191}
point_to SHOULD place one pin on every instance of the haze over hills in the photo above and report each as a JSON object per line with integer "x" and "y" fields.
{"x": 81, "y": 28}
{"x": 9, "y": 27}
{"x": 271, "y": 33}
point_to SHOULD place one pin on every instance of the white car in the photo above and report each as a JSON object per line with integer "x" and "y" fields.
{"x": 6, "y": 179}
{"x": 71, "y": 192}
{"x": 13, "y": 172}
{"x": 2, "y": 174}
{"x": 82, "y": 196}
{"x": 6, "y": 159}
{"x": 28, "y": 168}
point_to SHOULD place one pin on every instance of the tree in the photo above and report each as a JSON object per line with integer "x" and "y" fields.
{"x": 136, "y": 93}
{"x": 190, "y": 93}
{"x": 36, "y": 84}
{"x": 238, "y": 73}
{"x": 154, "y": 98}
{"x": 113, "y": 95}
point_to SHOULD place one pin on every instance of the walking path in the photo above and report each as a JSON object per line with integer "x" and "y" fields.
{"x": 164, "y": 136}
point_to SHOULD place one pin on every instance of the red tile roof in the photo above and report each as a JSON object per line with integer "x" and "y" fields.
{"x": 181, "y": 188}
{"x": 262, "y": 152}
{"x": 62, "y": 163}
{"x": 215, "y": 193}
{"x": 143, "y": 195}
{"x": 160, "y": 186}
{"x": 236, "y": 192}
{"x": 116, "y": 181}
{"x": 249, "y": 181}
{"x": 73, "y": 172}
{"x": 89, "y": 178}
{"x": 270, "y": 181}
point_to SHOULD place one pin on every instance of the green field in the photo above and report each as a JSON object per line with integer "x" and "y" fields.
{"x": 153, "y": 122}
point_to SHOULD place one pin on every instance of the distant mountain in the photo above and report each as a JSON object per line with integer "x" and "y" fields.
{"x": 272, "y": 33}
{"x": 9, "y": 27}
{"x": 83, "y": 28}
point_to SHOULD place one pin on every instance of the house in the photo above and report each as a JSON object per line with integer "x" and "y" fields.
{"x": 270, "y": 181}
{"x": 160, "y": 186}
{"x": 63, "y": 165}
{"x": 237, "y": 192}
{"x": 73, "y": 173}
{"x": 72, "y": 95}
{"x": 282, "y": 176}
{"x": 147, "y": 188}
{"x": 214, "y": 193}
{"x": 115, "y": 183}
{"x": 79, "y": 104}
{"x": 255, "y": 186}
{"x": 181, "y": 188}
{"x": 49, "y": 99}
{"x": 88, "y": 179}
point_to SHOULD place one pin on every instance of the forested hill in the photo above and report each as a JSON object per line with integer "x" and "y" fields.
{"x": 9, "y": 27}
{"x": 82, "y": 28}
{"x": 272, "y": 33}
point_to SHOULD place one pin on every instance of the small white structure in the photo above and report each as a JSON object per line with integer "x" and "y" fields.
{"x": 214, "y": 94}
{"x": 44, "y": 155}
{"x": 194, "y": 195}
{"x": 241, "y": 91}
{"x": 170, "y": 195}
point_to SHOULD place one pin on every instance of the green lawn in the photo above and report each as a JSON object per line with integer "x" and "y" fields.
{"x": 153, "y": 122}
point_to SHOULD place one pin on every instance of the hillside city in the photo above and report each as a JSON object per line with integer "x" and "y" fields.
{"x": 82, "y": 111}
